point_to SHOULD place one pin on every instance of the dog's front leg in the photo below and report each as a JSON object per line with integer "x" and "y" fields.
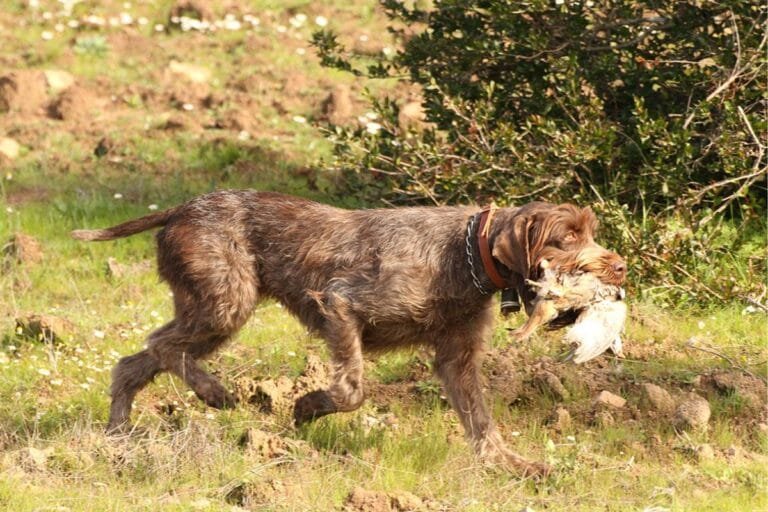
{"x": 343, "y": 334}
{"x": 458, "y": 366}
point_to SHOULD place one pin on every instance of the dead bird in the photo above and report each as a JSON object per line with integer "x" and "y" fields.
{"x": 558, "y": 292}
{"x": 597, "y": 329}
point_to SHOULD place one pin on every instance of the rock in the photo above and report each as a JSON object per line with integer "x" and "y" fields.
{"x": 693, "y": 412}
{"x": 9, "y": 148}
{"x": 23, "y": 92}
{"x": 191, "y": 72}
{"x": 659, "y": 398}
{"x": 550, "y": 383}
{"x": 25, "y": 249}
{"x": 606, "y": 398}
{"x": 47, "y": 328}
{"x": 561, "y": 419}
{"x": 337, "y": 107}
{"x": 705, "y": 452}
{"x": 58, "y": 80}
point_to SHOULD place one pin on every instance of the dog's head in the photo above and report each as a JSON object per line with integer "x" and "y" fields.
{"x": 538, "y": 231}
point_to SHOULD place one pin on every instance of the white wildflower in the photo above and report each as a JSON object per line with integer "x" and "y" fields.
{"x": 152, "y": 207}
{"x": 98, "y": 334}
{"x": 373, "y": 128}
{"x": 44, "y": 372}
{"x": 46, "y": 35}
{"x": 299, "y": 119}
{"x": 321, "y": 21}
{"x": 118, "y": 195}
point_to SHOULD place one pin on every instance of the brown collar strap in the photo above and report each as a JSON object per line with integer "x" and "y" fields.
{"x": 486, "y": 217}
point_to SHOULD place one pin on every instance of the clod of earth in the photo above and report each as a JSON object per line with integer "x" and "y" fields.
{"x": 264, "y": 445}
{"x": 23, "y": 92}
{"x": 692, "y": 413}
{"x": 46, "y": 328}
{"x": 658, "y": 398}
{"x": 255, "y": 494}
{"x": 705, "y": 452}
{"x": 24, "y": 249}
{"x": 9, "y": 148}
{"x": 118, "y": 270}
{"x": 363, "y": 500}
{"x": 560, "y": 420}
{"x": 74, "y": 104}
{"x": 550, "y": 383}
{"x": 337, "y": 107}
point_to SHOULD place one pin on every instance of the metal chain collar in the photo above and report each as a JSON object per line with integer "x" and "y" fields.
{"x": 470, "y": 258}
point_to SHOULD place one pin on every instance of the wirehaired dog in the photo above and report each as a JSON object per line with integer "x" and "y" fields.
{"x": 364, "y": 280}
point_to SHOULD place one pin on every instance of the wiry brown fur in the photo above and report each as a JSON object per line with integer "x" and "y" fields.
{"x": 363, "y": 280}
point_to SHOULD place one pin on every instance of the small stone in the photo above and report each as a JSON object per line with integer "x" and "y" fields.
{"x": 193, "y": 73}
{"x": 693, "y": 412}
{"x": 550, "y": 383}
{"x": 58, "y": 80}
{"x": 763, "y": 427}
{"x": 9, "y": 148}
{"x": 659, "y": 398}
{"x": 705, "y": 452}
{"x": 734, "y": 452}
{"x": 606, "y": 398}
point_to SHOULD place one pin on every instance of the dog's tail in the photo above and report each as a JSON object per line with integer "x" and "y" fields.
{"x": 129, "y": 228}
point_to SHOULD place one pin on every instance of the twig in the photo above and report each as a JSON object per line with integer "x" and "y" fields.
{"x": 691, "y": 343}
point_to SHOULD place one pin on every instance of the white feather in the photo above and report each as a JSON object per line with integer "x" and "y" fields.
{"x": 597, "y": 329}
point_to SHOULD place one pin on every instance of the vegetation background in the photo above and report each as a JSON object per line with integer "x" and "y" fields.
{"x": 654, "y": 113}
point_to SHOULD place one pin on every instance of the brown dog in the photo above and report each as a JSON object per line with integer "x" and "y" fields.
{"x": 363, "y": 280}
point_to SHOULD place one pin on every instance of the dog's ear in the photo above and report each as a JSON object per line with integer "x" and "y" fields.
{"x": 512, "y": 246}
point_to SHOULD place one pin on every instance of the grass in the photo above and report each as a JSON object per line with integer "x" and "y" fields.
{"x": 405, "y": 438}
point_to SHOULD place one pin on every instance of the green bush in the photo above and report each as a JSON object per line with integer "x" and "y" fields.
{"x": 653, "y": 112}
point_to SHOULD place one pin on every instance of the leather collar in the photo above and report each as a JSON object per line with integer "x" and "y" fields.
{"x": 483, "y": 230}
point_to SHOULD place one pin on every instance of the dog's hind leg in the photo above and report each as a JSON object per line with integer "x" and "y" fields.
{"x": 178, "y": 353}
{"x": 343, "y": 333}
{"x": 130, "y": 375}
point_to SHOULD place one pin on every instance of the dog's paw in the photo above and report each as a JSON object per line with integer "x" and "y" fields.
{"x": 219, "y": 398}
{"x": 311, "y": 406}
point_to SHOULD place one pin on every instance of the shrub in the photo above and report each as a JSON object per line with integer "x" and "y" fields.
{"x": 651, "y": 111}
